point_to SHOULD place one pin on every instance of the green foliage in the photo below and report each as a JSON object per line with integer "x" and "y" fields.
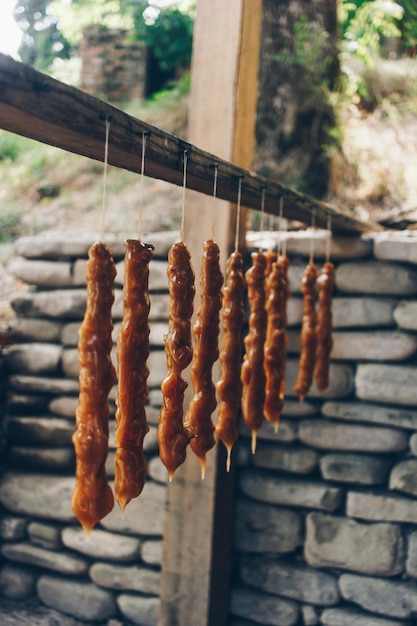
{"x": 10, "y": 222}
{"x": 11, "y": 146}
{"x": 409, "y": 25}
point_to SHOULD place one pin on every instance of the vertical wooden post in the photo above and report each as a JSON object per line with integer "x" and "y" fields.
{"x": 222, "y": 110}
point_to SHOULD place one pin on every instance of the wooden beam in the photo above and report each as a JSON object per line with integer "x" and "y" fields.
{"x": 37, "y": 106}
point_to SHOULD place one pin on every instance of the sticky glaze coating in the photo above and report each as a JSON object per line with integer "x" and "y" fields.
{"x": 275, "y": 351}
{"x": 206, "y": 352}
{"x": 253, "y": 374}
{"x": 132, "y": 354}
{"x": 93, "y": 498}
{"x": 229, "y": 385}
{"x": 308, "y": 332}
{"x": 324, "y": 326}
{"x": 173, "y": 437}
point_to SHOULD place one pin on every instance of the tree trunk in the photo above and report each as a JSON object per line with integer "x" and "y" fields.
{"x": 298, "y": 67}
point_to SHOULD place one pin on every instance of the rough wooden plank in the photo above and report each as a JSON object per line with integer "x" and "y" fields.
{"x": 37, "y": 106}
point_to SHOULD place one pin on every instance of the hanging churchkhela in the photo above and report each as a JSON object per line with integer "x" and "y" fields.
{"x": 308, "y": 332}
{"x": 132, "y": 354}
{"x": 206, "y": 352}
{"x": 325, "y": 284}
{"x": 93, "y": 498}
{"x": 173, "y": 437}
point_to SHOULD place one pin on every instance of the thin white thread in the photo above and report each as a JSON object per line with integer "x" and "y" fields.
{"x": 329, "y": 237}
{"x": 216, "y": 167}
{"x": 239, "y": 195}
{"x": 142, "y": 170}
{"x": 104, "y": 194}
{"x": 184, "y": 187}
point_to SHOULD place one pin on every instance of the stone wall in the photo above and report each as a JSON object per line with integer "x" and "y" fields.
{"x": 112, "y": 65}
{"x": 326, "y": 511}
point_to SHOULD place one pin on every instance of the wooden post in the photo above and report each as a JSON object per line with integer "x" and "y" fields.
{"x": 197, "y": 544}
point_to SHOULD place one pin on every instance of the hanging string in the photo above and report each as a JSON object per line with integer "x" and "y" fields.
{"x": 142, "y": 171}
{"x": 239, "y": 195}
{"x": 104, "y": 194}
{"x": 216, "y": 168}
{"x": 261, "y": 227}
{"x": 329, "y": 237}
{"x": 313, "y": 224}
{"x": 184, "y": 187}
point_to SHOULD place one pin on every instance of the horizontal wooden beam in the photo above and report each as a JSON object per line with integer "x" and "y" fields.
{"x": 35, "y": 105}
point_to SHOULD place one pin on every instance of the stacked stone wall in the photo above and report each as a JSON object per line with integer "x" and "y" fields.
{"x": 326, "y": 511}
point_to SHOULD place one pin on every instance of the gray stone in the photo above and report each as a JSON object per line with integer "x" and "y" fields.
{"x": 83, "y": 600}
{"x": 299, "y": 243}
{"x": 297, "y": 582}
{"x": 267, "y": 488}
{"x": 63, "y": 303}
{"x": 139, "y": 610}
{"x": 151, "y": 552}
{"x": 42, "y": 458}
{"x": 157, "y": 364}
{"x": 295, "y": 460}
{"x": 42, "y": 273}
{"x": 309, "y": 615}
{"x": 294, "y": 311}
{"x": 157, "y": 334}
{"x": 71, "y": 362}
{"x": 69, "y": 333}
{"x": 295, "y": 275}
{"x": 287, "y": 431}
{"x": 328, "y": 435}
{"x": 35, "y": 329}
{"x": 386, "y": 597}
{"x": 157, "y": 470}
{"x": 264, "y": 609}
{"x": 350, "y": 617}
{"x": 362, "y": 312}
{"x": 26, "y": 402}
{"x": 46, "y": 536}
{"x": 43, "y": 384}
{"x": 403, "y": 477}
{"x": 340, "y": 381}
{"x": 354, "y": 468}
{"x": 395, "y": 384}
{"x": 260, "y": 528}
{"x": 34, "y": 358}
{"x": 144, "y": 515}
{"x": 411, "y": 563}
{"x": 16, "y": 582}
{"x": 372, "y": 413}
{"x": 101, "y": 544}
{"x": 61, "y": 562}
{"x": 38, "y": 495}
{"x": 158, "y": 279}
{"x": 52, "y": 431}
{"x": 155, "y": 397}
{"x": 376, "y": 508}
{"x": 12, "y": 528}
{"x": 296, "y": 409}
{"x": 396, "y": 246}
{"x": 53, "y": 247}
{"x": 405, "y": 314}
{"x": 373, "y": 346}
{"x": 346, "y": 544}
{"x": 413, "y": 444}
{"x": 376, "y": 277}
{"x": 64, "y": 405}
{"x": 126, "y": 577}
{"x": 159, "y": 306}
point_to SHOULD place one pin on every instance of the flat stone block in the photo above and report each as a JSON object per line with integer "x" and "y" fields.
{"x": 33, "y": 329}
{"x": 297, "y": 582}
{"x": 405, "y": 314}
{"x": 371, "y": 413}
{"x": 33, "y": 358}
{"x": 43, "y": 384}
{"x": 296, "y": 409}
{"x": 376, "y": 277}
{"x": 47, "y": 430}
{"x": 411, "y": 563}
{"x": 373, "y": 346}
{"x": 403, "y": 477}
{"x": 396, "y": 247}
{"x": 295, "y": 460}
{"x": 46, "y": 536}
{"x": 266, "y": 609}
{"x": 340, "y": 381}
{"x": 266, "y": 529}
{"x": 157, "y": 471}
{"x": 42, "y": 273}
{"x": 69, "y": 333}
{"x": 64, "y": 405}
{"x": 287, "y": 431}
{"x": 348, "y": 617}
{"x": 365, "y": 312}
{"x": 394, "y": 384}
{"x": 126, "y": 577}
{"x": 327, "y": 435}
{"x": 152, "y": 552}
{"x": 267, "y": 488}
{"x": 375, "y": 508}
{"x": 158, "y": 279}
{"x": 16, "y": 582}
{"x": 157, "y": 364}
{"x": 386, "y": 597}
{"x": 375, "y": 549}
{"x": 354, "y": 468}
{"x": 101, "y": 544}
{"x": 62, "y": 562}
{"x": 41, "y": 458}
{"x": 61, "y": 304}
{"x": 139, "y": 609}
{"x": 83, "y": 600}
{"x": 12, "y": 528}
